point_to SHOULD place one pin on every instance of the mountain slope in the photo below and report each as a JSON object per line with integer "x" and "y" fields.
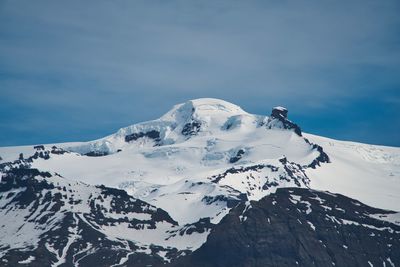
{"x": 47, "y": 218}
{"x": 301, "y": 227}
{"x": 152, "y": 192}
{"x": 212, "y": 144}
{"x": 366, "y": 172}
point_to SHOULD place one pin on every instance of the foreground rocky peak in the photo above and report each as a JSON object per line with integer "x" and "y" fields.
{"x": 301, "y": 227}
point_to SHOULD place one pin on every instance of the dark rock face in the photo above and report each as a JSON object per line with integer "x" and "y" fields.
{"x": 96, "y": 154}
{"x": 57, "y": 151}
{"x": 192, "y": 125}
{"x": 237, "y": 157}
{"x": 40, "y": 153}
{"x": 23, "y": 162}
{"x": 279, "y": 119}
{"x": 230, "y": 201}
{"x": 300, "y": 227}
{"x": 153, "y": 134}
{"x": 39, "y": 147}
{"x": 279, "y": 112}
{"x": 217, "y": 178}
{"x": 292, "y": 172}
{"x": 200, "y": 226}
{"x": 78, "y": 235}
{"x": 322, "y": 157}
{"x": 191, "y": 128}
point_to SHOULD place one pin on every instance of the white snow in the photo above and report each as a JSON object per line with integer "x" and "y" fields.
{"x": 295, "y": 198}
{"x": 392, "y": 218}
{"x": 390, "y": 262}
{"x": 28, "y": 260}
{"x": 368, "y": 173}
{"x": 311, "y": 225}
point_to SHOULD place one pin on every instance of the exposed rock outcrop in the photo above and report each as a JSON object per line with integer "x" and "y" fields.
{"x": 301, "y": 227}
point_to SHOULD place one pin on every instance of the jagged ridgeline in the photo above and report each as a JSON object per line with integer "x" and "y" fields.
{"x": 206, "y": 184}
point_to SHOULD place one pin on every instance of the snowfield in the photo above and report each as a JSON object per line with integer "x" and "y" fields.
{"x": 368, "y": 173}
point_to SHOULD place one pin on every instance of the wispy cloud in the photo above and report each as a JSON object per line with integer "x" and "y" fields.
{"x": 115, "y": 59}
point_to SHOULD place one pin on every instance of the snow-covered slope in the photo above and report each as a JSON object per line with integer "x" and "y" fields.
{"x": 210, "y": 143}
{"x": 200, "y": 160}
{"x": 366, "y": 172}
{"x": 72, "y": 223}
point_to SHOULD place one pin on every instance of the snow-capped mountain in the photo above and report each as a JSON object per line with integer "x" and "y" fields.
{"x": 153, "y": 192}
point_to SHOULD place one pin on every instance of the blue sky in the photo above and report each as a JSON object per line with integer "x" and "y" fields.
{"x": 79, "y": 70}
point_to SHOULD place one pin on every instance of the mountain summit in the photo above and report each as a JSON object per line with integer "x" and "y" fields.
{"x": 199, "y": 117}
{"x": 202, "y": 108}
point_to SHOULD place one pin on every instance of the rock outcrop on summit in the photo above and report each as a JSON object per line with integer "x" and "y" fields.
{"x": 278, "y": 119}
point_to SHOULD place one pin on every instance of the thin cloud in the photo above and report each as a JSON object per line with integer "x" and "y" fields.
{"x": 127, "y": 55}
